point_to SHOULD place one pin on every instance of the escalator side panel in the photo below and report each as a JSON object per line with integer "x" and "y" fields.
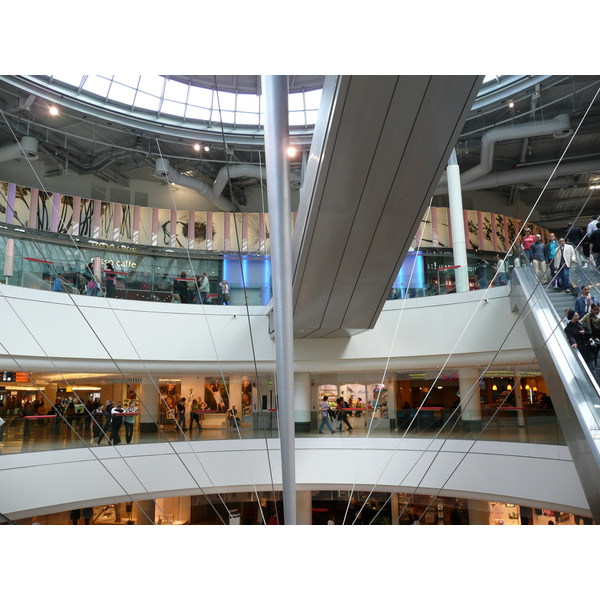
{"x": 575, "y": 395}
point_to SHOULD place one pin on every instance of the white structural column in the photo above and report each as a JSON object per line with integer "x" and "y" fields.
{"x": 302, "y": 402}
{"x": 479, "y": 512}
{"x": 394, "y": 508}
{"x": 304, "y": 507}
{"x": 275, "y": 93}
{"x": 143, "y": 512}
{"x": 518, "y": 397}
{"x": 470, "y": 402}
{"x": 150, "y": 398}
{"x": 459, "y": 245}
{"x": 235, "y": 392}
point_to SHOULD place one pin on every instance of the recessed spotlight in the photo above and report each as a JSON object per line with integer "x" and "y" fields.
{"x": 206, "y": 148}
{"x": 53, "y": 110}
{"x": 196, "y": 147}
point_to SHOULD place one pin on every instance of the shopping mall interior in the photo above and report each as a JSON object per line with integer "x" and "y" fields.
{"x": 279, "y": 280}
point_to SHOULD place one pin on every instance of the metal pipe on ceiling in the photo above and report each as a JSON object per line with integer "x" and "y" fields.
{"x": 27, "y": 147}
{"x": 558, "y": 127}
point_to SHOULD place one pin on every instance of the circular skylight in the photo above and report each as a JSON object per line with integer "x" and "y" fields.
{"x": 157, "y": 95}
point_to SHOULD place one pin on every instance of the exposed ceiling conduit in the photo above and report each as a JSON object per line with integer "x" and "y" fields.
{"x": 531, "y": 174}
{"x": 214, "y": 193}
{"x": 27, "y": 147}
{"x": 164, "y": 170}
{"x": 245, "y": 170}
{"x": 559, "y": 127}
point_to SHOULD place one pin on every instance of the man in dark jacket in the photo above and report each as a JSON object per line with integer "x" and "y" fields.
{"x": 595, "y": 245}
{"x": 573, "y": 235}
{"x": 116, "y": 422}
{"x": 579, "y": 335}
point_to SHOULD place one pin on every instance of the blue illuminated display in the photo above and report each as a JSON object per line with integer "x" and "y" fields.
{"x": 411, "y": 272}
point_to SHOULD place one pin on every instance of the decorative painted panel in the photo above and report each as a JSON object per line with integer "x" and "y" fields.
{"x": 218, "y": 226}
{"x": 127, "y": 223}
{"x": 107, "y": 212}
{"x": 486, "y": 231}
{"x": 473, "y": 229}
{"x": 443, "y": 227}
{"x": 65, "y": 216}
{"x": 253, "y": 232}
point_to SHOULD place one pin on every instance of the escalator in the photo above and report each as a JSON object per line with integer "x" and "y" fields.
{"x": 575, "y": 393}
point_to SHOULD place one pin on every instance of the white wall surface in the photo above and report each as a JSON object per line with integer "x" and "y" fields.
{"x": 528, "y": 474}
{"x": 54, "y": 331}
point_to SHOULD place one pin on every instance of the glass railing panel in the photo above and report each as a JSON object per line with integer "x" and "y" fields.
{"x": 47, "y": 432}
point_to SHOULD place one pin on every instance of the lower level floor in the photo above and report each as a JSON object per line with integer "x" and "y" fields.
{"x": 326, "y": 508}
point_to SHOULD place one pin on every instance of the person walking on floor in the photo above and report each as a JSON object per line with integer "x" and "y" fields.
{"x": 324, "y": 406}
{"x": 204, "y": 288}
{"x": 194, "y": 416}
{"x": 481, "y": 273}
{"x": 342, "y": 415}
{"x": 181, "y": 414}
{"x": 111, "y": 280}
{"x": 98, "y": 432}
{"x": 128, "y": 421}
{"x": 115, "y": 425}
{"x": 87, "y": 514}
{"x": 501, "y": 275}
{"x": 224, "y": 292}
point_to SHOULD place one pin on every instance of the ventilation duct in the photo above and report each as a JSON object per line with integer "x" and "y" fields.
{"x": 531, "y": 174}
{"x": 27, "y": 147}
{"x": 214, "y": 193}
{"x": 558, "y": 127}
{"x": 164, "y": 170}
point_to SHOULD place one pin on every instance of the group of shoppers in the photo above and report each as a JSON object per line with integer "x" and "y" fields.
{"x": 199, "y": 293}
{"x": 339, "y": 415}
{"x": 557, "y": 255}
{"x": 583, "y": 328}
{"x": 107, "y": 422}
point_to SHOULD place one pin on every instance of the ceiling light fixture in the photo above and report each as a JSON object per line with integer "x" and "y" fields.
{"x": 511, "y": 104}
{"x": 206, "y": 148}
{"x": 53, "y": 110}
{"x": 197, "y": 147}
{"x": 291, "y": 151}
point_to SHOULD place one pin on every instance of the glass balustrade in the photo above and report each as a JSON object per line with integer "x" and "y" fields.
{"x": 505, "y": 424}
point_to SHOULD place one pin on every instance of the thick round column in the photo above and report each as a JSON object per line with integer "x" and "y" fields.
{"x": 459, "y": 244}
{"x": 479, "y": 512}
{"x": 302, "y": 402}
{"x": 151, "y": 398}
{"x": 275, "y": 94}
{"x": 143, "y": 512}
{"x": 470, "y": 401}
{"x": 304, "y": 508}
{"x": 518, "y": 397}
